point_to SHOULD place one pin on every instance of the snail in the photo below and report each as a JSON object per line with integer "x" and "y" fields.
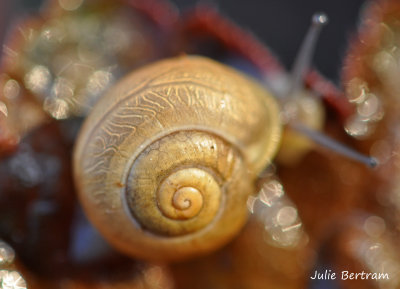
{"x": 167, "y": 158}
{"x": 180, "y": 190}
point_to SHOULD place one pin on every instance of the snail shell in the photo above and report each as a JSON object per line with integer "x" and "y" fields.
{"x": 166, "y": 160}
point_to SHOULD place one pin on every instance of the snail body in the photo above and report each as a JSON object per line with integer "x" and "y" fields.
{"x": 167, "y": 158}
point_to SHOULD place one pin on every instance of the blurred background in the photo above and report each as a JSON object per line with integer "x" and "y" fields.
{"x": 281, "y": 24}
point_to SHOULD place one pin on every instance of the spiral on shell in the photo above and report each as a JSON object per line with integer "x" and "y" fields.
{"x": 165, "y": 162}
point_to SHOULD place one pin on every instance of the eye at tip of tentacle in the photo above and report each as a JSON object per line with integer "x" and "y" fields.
{"x": 320, "y": 18}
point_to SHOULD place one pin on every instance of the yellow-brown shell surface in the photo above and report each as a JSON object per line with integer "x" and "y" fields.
{"x": 165, "y": 162}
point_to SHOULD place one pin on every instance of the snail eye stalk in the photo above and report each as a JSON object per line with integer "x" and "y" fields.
{"x": 303, "y": 120}
{"x": 335, "y": 146}
{"x": 304, "y": 57}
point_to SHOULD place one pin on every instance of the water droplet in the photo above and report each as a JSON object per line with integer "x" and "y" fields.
{"x": 7, "y": 254}
{"x": 11, "y": 280}
{"x": 70, "y": 5}
{"x": 11, "y": 89}
{"x": 38, "y": 79}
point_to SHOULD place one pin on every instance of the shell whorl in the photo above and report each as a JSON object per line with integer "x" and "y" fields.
{"x": 181, "y": 194}
{"x": 166, "y": 160}
{"x": 178, "y": 199}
